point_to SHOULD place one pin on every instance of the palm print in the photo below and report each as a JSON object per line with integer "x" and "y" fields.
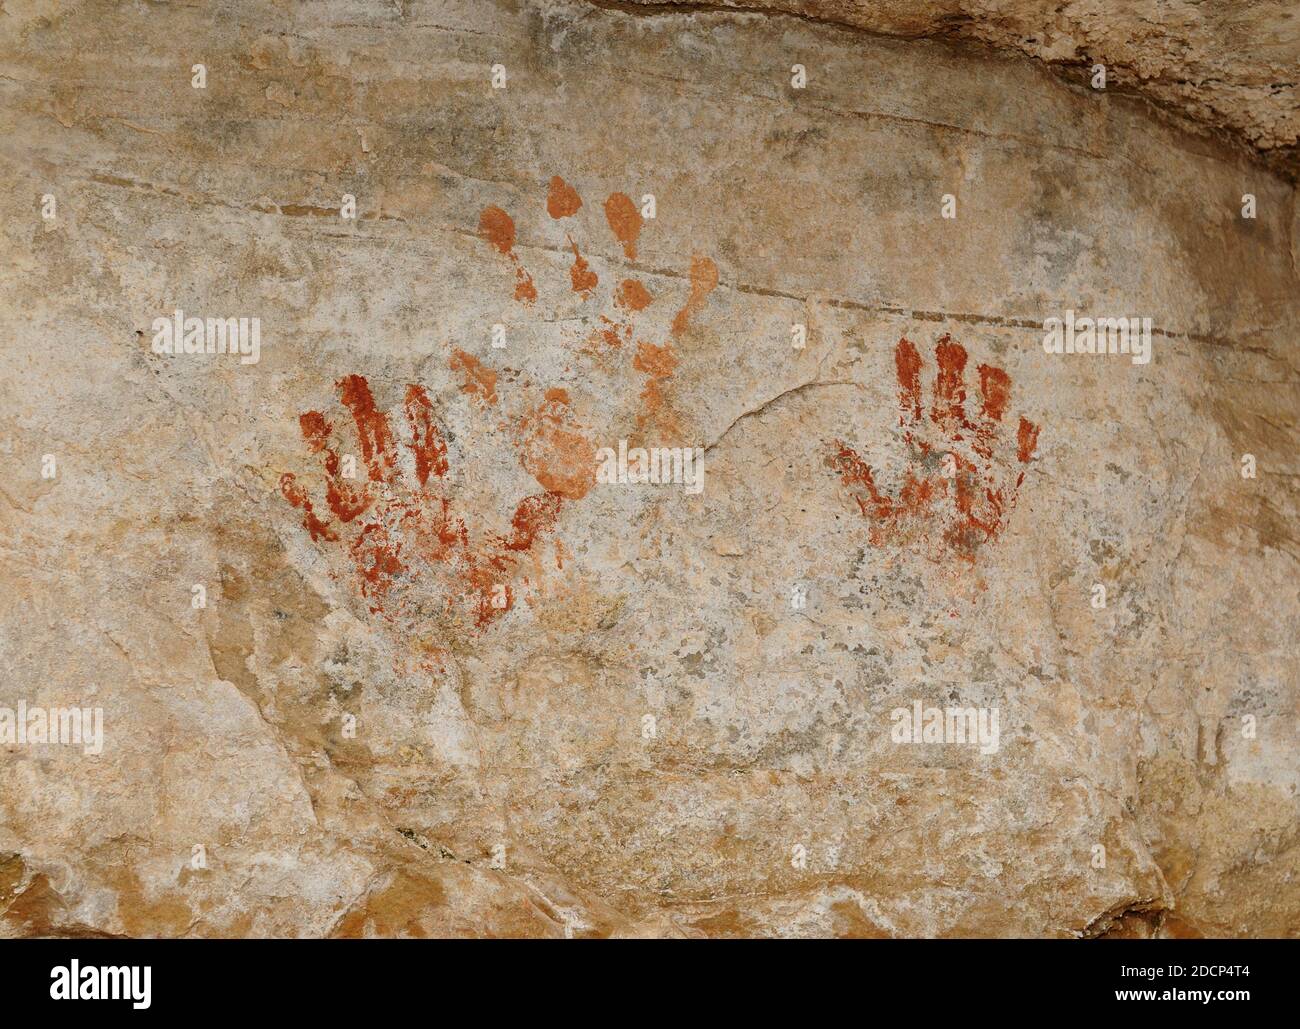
{"x": 958, "y": 490}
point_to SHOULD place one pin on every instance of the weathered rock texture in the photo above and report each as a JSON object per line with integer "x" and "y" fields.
{"x": 1230, "y": 65}
{"x": 584, "y": 708}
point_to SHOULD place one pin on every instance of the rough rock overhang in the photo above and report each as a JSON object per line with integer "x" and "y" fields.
{"x": 1231, "y": 67}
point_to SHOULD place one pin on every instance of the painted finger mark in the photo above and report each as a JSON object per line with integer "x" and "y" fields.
{"x": 704, "y": 280}
{"x": 1026, "y": 440}
{"x": 562, "y": 201}
{"x": 372, "y": 426}
{"x": 624, "y": 221}
{"x": 908, "y": 363}
{"x": 426, "y": 441}
{"x": 631, "y": 295}
{"x": 583, "y": 278}
{"x": 950, "y": 384}
{"x": 995, "y": 387}
{"x": 498, "y": 228}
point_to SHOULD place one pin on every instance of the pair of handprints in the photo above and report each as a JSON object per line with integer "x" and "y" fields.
{"x": 412, "y": 550}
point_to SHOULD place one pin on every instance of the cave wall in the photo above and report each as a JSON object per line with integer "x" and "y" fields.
{"x": 474, "y": 690}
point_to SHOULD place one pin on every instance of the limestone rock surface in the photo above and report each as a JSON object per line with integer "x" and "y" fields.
{"x": 438, "y": 678}
{"x": 1227, "y": 65}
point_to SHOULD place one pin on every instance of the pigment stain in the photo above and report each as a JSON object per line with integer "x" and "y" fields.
{"x": 631, "y": 295}
{"x": 477, "y": 380}
{"x": 377, "y": 557}
{"x": 658, "y": 363}
{"x": 534, "y": 517}
{"x": 345, "y": 502}
{"x": 953, "y": 506}
{"x": 498, "y": 228}
{"x": 855, "y": 472}
{"x": 297, "y": 497}
{"x": 624, "y": 221}
{"x": 562, "y": 201}
{"x": 704, "y": 280}
{"x": 610, "y": 335}
{"x": 553, "y": 452}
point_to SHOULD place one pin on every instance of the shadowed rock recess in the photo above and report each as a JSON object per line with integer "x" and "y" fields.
{"x": 370, "y": 627}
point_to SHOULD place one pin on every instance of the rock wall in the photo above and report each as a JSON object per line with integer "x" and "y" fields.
{"x": 1223, "y": 65}
{"x": 380, "y": 650}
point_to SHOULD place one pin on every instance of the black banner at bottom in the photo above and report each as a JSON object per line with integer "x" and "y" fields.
{"x": 143, "y": 978}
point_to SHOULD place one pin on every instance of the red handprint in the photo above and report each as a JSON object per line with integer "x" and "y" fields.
{"x": 958, "y": 490}
{"x": 409, "y": 550}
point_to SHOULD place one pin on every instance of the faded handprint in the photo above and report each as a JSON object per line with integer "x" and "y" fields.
{"x": 614, "y": 328}
{"x": 961, "y": 484}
